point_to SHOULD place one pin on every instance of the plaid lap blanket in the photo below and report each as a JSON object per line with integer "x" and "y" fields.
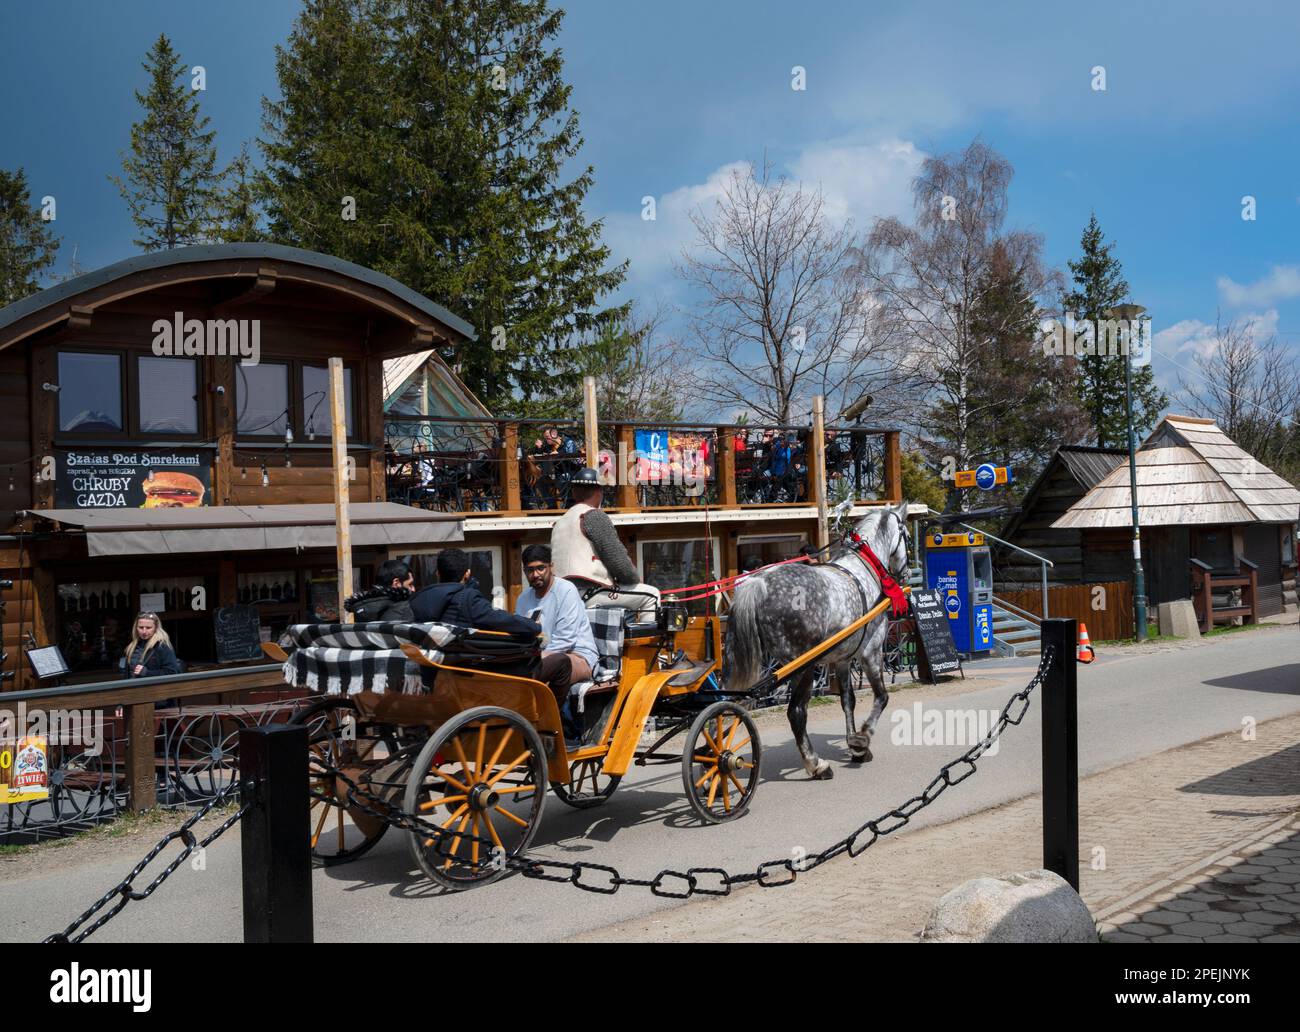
{"x": 344, "y": 659}
{"x": 607, "y": 628}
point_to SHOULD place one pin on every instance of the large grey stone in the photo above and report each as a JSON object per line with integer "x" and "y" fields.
{"x": 1024, "y": 906}
{"x": 1178, "y": 619}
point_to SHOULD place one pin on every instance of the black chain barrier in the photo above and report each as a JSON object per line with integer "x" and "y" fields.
{"x": 668, "y": 883}
{"x": 125, "y": 890}
{"x": 674, "y": 884}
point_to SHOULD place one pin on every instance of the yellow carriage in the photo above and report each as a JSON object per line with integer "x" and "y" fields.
{"x": 447, "y": 723}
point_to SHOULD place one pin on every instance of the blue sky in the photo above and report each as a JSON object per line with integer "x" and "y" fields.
{"x": 1199, "y": 111}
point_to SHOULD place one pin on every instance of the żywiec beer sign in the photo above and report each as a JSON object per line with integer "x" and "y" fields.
{"x": 133, "y": 478}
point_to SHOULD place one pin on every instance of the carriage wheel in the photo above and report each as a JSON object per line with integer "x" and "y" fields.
{"x": 336, "y": 737}
{"x": 203, "y": 755}
{"x": 482, "y": 778}
{"x": 720, "y": 762}
{"x": 588, "y": 785}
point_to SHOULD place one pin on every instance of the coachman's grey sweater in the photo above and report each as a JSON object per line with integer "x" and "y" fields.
{"x": 599, "y": 530}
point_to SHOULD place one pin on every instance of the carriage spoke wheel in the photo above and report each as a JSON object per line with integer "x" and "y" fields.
{"x": 588, "y": 785}
{"x": 482, "y": 779}
{"x": 338, "y": 738}
{"x": 720, "y": 762}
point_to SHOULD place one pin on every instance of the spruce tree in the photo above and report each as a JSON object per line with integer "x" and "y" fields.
{"x": 449, "y": 127}
{"x": 236, "y": 216}
{"x": 27, "y": 247}
{"x": 1099, "y": 285}
{"x": 170, "y": 179}
{"x": 1023, "y": 404}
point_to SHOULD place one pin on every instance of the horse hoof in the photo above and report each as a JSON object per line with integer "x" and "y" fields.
{"x": 823, "y": 773}
{"x": 861, "y": 757}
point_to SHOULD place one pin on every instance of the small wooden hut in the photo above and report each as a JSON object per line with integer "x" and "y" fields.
{"x": 1207, "y": 507}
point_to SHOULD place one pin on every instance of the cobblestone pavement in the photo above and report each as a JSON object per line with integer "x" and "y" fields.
{"x": 1210, "y": 829}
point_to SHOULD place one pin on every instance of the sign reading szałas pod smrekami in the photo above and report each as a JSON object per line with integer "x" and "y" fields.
{"x": 133, "y": 478}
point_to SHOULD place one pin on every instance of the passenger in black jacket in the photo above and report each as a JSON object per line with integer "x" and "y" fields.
{"x": 456, "y": 599}
{"x": 389, "y": 600}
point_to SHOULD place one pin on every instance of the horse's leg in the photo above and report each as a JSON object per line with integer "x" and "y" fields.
{"x": 874, "y": 664}
{"x": 859, "y": 744}
{"x": 797, "y": 711}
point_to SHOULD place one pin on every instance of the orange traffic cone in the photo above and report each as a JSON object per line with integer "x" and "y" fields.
{"x": 1084, "y": 652}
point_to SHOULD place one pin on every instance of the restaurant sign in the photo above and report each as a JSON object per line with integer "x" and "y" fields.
{"x": 132, "y": 478}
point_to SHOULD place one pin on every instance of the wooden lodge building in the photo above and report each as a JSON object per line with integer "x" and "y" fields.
{"x": 190, "y": 484}
{"x": 1207, "y": 509}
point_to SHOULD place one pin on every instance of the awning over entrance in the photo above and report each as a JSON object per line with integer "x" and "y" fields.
{"x": 252, "y": 528}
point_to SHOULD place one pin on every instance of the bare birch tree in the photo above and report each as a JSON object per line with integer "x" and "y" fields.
{"x": 1247, "y": 386}
{"x": 783, "y": 315}
{"x": 931, "y": 283}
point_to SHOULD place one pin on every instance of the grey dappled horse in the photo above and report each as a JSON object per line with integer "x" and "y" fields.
{"x": 781, "y": 613}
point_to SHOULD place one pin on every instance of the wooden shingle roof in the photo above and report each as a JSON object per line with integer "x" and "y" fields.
{"x": 1188, "y": 472}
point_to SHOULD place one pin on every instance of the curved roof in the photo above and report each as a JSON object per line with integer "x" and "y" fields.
{"x": 160, "y": 260}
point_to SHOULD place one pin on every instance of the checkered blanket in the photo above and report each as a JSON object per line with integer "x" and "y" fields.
{"x": 607, "y": 628}
{"x": 344, "y": 659}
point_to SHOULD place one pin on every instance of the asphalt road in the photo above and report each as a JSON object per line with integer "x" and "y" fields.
{"x": 1132, "y": 704}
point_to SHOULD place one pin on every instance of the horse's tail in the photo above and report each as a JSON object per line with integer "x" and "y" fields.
{"x": 742, "y": 651}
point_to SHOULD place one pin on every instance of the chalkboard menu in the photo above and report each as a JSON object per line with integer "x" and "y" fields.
{"x": 237, "y": 632}
{"x": 937, "y": 650}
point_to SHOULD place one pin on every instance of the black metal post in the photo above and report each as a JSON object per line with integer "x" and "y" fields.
{"x": 1061, "y": 751}
{"x": 275, "y": 834}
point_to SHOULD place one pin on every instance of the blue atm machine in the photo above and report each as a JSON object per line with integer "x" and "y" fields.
{"x": 960, "y": 568}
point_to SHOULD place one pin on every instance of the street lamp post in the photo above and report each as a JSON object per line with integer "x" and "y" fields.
{"x": 1129, "y": 313}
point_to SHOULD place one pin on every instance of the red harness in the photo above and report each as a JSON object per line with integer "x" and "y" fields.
{"x": 892, "y": 589}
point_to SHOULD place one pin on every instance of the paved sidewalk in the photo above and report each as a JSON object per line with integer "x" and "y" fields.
{"x": 1152, "y": 833}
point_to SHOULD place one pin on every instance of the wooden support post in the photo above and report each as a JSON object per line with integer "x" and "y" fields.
{"x": 343, "y": 526}
{"x": 624, "y": 470}
{"x": 275, "y": 845}
{"x": 817, "y": 469}
{"x": 510, "y": 500}
{"x": 141, "y": 786}
{"x": 726, "y": 467}
{"x": 589, "y": 420}
{"x": 1061, "y": 751}
{"x": 893, "y": 485}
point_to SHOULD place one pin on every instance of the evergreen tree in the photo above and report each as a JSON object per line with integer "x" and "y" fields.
{"x": 1023, "y": 403}
{"x": 1099, "y": 285}
{"x": 27, "y": 247}
{"x": 236, "y": 216}
{"x": 449, "y": 127}
{"x": 170, "y": 179}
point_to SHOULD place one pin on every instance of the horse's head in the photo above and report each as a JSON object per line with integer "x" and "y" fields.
{"x": 885, "y": 530}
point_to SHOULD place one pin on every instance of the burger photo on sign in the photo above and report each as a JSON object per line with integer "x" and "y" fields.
{"x": 165, "y": 489}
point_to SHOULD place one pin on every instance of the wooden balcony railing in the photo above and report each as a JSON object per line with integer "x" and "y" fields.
{"x": 473, "y": 466}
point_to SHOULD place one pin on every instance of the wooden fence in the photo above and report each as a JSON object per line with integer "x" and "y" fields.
{"x": 1106, "y": 608}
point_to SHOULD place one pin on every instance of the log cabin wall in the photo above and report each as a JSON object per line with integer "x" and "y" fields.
{"x": 308, "y": 308}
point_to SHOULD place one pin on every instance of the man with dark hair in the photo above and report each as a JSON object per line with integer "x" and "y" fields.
{"x": 389, "y": 600}
{"x": 587, "y": 549}
{"x": 456, "y": 599}
{"x": 569, "y": 654}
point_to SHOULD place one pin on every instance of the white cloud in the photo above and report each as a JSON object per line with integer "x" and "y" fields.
{"x": 1282, "y": 282}
{"x": 862, "y": 181}
{"x": 859, "y": 181}
{"x": 1191, "y": 338}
